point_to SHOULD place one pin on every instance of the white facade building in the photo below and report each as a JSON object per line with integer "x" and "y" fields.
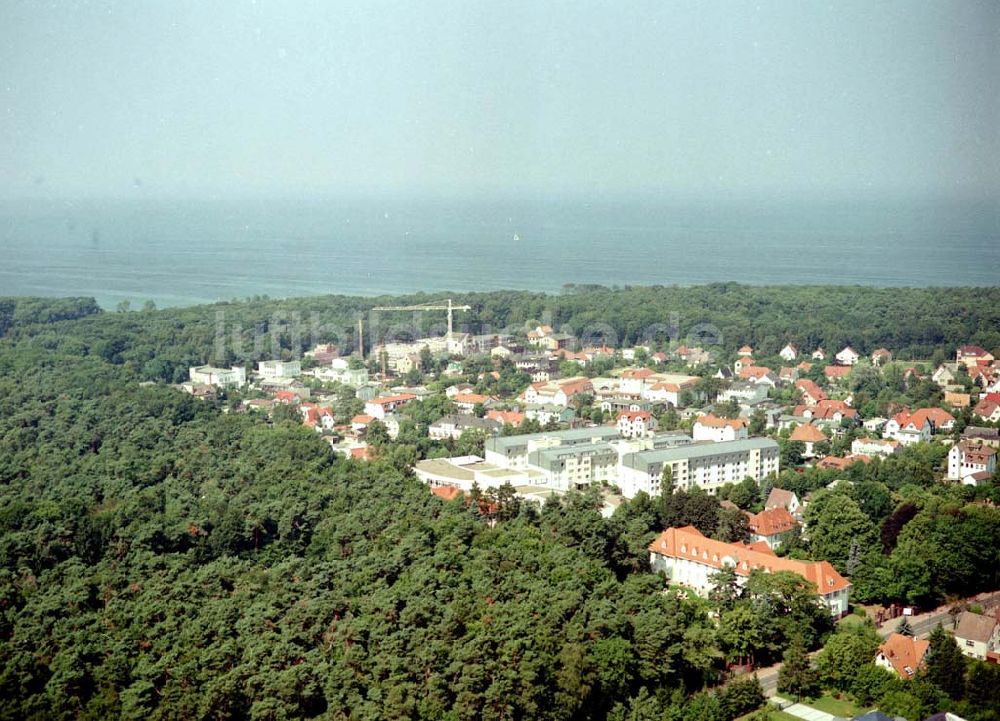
{"x": 719, "y": 430}
{"x": 219, "y": 377}
{"x": 967, "y": 459}
{"x": 848, "y": 357}
{"x": 279, "y": 369}
{"x": 690, "y": 560}
{"x": 708, "y": 466}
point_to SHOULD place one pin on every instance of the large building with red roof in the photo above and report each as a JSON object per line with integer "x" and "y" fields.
{"x": 690, "y": 559}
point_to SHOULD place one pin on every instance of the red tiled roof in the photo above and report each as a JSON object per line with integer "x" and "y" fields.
{"x": 362, "y": 419}
{"x": 689, "y": 544}
{"x": 837, "y": 371}
{"x": 977, "y": 453}
{"x": 571, "y": 388}
{"x": 515, "y": 418}
{"x": 713, "y": 421}
{"x": 985, "y": 408}
{"x": 472, "y": 398}
{"x": 771, "y": 522}
{"x": 807, "y": 386}
{"x": 835, "y": 463}
{"x": 637, "y": 373}
{"x": 759, "y": 546}
{"x": 633, "y": 415}
{"x": 904, "y": 652}
{"x": 754, "y": 372}
{"x": 937, "y": 417}
{"x": 825, "y": 409}
{"x": 779, "y": 498}
{"x": 807, "y": 433}
{"x": 447, "y": 493}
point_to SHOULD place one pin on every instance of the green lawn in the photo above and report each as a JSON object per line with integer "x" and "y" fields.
{"x": 782, "y": 716}
{"x": 837, "y": 707}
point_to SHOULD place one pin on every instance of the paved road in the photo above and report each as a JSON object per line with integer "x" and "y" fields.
{"x": 768, "y": 678}
{"x": 922, "y": 624}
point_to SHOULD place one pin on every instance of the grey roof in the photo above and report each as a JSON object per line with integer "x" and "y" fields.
{"x": 569, "y": 437}
{"x": 974, "y": 627}
{"x": 671, "y": 439}
{"x": 644, "y": 459}
{"x": 465, "y": 421}
{"x": 875, "y": 715}
{"x": 980, "y": 432}
{"x": 556, "y": 455}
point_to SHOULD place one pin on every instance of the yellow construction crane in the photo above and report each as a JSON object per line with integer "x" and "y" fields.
{"x": 429, "y": 306}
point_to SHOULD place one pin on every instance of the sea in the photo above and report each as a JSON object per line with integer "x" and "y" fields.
{"x": 186, "y": 252}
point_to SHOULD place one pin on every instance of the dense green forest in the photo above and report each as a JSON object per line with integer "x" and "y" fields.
{"x": 160, "y": 558}
{"x": 160, "y": 345}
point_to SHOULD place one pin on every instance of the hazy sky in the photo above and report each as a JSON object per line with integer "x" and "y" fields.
{"x": 235, "y": 98}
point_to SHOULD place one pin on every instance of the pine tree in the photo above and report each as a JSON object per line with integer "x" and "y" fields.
{"x": 797, "y": 676}
{"x": 904, "y": 628}
{"x": 945, "y": 663}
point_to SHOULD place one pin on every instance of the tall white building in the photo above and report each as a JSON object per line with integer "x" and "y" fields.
{"x": 708, "y": 466}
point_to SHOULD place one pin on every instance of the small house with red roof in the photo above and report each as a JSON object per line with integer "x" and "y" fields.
{"x": 972, "y": 355}
{"x": 837, "y": 374}
{"x": 809, "y": 435}
{"x": 381, "y": 407}
{"x": 514, "y": 418}
{"x": 713, "y": 428}
{"x": 635, "y": 424}
{"x": 988, "y": 409}
{"x": 769, "y": 526}
{"x": 811, "y": 393}
{"x": 902, "y": 655}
